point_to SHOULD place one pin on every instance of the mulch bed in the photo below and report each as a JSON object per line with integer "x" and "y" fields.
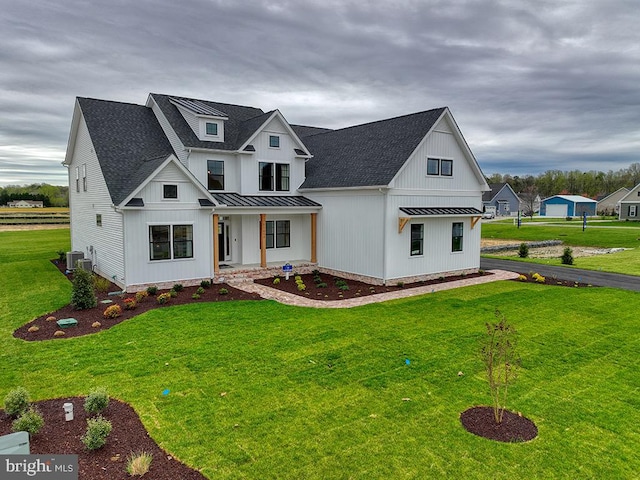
{"x": 128, "y": 436}
{"x": 514, "y": 427}
{"x": 86, "y": 318}
{"x": 549, "y": 280}
{"x": 356, "y": 289}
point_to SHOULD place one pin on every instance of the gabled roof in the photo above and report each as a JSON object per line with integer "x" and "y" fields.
{"x": 366, "y": 155}
{"x": 305, "y": 130}
{"x": 572, "y": 198}
{"x": 496, "y": 188}
{"x": 241, "y": 124}
{"x": 623, "y": 191}
{"x": 129, "y": 143}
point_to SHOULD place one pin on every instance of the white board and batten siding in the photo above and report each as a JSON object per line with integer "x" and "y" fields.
{"x": 103, "y": 244}
{"x": 350, "y": 235}
{"x": 140, "y": 269}
{"x": 300, "y": 239}
{"x": 198, "y": 166}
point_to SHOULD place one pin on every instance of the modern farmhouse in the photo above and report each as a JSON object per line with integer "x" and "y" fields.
{"x": 181, "y": 190}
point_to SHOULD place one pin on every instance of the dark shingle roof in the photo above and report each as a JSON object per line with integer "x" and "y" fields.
{"x": 365, "y": 155}
{"x": 237, "y": 200}
{"x": 428, "y": 211}
{"x": 242, "y": 123}
{"x": 495, "y": 188}
{"x": 305, "y": 130}
{"x": 129, "y": 143}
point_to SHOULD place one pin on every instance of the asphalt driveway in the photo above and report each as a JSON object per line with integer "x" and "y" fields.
{"x": 602, "y": 279}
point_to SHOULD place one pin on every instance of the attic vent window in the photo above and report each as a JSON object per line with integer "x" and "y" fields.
{"x": 170, "y": 191}
{"x": 274, "y": 141}
{"x": 212, "y": 128}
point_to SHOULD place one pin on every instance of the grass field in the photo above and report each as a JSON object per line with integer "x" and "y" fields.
{"x": 319, "y": 394}
{"x": 34, "y": 216}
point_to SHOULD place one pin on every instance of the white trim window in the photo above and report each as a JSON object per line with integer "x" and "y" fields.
{"x": 442, "y": 167}
{"x": 167, "y": 242}
{"x": 417, "y": 239}
{"x": 170, "y": 191}
{"x": 84, "y": 177}
{"x": 457, "y": 234}
{"x": 78, "y": 179}
{"x": 274, "y": 141}
{"x": 633, "y": 210}
{"x": 215, "y": 175}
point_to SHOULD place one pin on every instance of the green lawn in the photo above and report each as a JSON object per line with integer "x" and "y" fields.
{"x": 318, "y": 394}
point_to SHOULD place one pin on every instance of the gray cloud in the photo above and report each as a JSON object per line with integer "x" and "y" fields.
{"x": 533, "y": 85}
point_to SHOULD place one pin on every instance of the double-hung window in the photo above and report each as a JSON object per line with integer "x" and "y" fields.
{"x": 278, "y": 233}
{"x": 215, "y": 174}
{"x": 417, "y": 239}
{"x": 456, "y": 236}
{"x": 632, "y": 210}
{"x": 273, "y": 176}
{"x": 170, "y": 241}
{"x": 440, "y": 167}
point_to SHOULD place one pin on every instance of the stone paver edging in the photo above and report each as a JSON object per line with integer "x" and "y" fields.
{"x": 296, "y": 300}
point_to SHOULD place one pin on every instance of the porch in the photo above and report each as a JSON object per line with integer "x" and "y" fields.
{"x": 236, "y": 273}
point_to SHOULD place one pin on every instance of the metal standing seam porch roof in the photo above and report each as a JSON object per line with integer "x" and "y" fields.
{"x": 252, "y": 201}
{"x": 439, "y": 211}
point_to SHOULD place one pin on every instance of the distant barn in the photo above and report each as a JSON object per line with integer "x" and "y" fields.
{"x": 567, "y": 206}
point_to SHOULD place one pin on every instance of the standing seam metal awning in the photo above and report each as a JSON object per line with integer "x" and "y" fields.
{"x": 237, "y": 200}
{"x": 439, "y": 211}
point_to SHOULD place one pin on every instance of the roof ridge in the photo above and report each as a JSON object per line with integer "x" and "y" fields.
{"x": 398, "y": 117}
{"x": 204, "y": 100}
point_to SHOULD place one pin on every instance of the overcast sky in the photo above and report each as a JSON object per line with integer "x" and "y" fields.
{"x": 534, "y": 85}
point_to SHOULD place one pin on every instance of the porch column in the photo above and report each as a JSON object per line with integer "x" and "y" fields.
{"x": 216, "y": 246}
{"x": 263, "y": 240}
{"x": 314, "y": 223}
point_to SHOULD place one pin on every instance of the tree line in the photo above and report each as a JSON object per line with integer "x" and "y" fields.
{"x": 589, "y": 184}
{"x": 50, "y": 195}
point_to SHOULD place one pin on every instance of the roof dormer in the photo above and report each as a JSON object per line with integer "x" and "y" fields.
{"x": 206, "y": 121}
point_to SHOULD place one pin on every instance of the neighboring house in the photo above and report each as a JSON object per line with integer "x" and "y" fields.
{"x": 630, "y": 205}
{"x": 567, "y": 206}
{"x": 181, "y": 190}
{"x": 502, "y": 198}
{"x": 609, "y": 204}
{"x": 26, "y": 204}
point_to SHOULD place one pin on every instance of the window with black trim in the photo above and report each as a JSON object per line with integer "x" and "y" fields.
{"x": 439, "y": 167}
{"x": 170, "y": 241}
{"x": 278, "y": 233}
{"x": 211, "y": 128}
{"x": 417, "y": 239}
{"x": 274, "y": 141}
{"x": 170, "y": 191}
{"x": 215, "y": 174}
{"x": 273, "y": 176}
{"x": 457, "y": 233}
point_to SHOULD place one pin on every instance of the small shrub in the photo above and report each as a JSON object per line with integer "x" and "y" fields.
{"x": 163, "y": 298}
{"x": 567, "y": 257}
{"x": 112, "y": 311}
{"x": 29, "y": 421}
{"x": 522, "y": 278}
{"x": 340, "y": 283}
{"x": 140, "y": 296}
{"x": 62, "y": 256}
{"x": 130, "y": 303}
{"x": 178, "y": 287}
{"x": 523, "y": 251}
{"x": 223, "y": 291}
{"x": 59, "y": 333}
{"x": 17, "y": 401}
{"x": 344, "y": 287}
{"x": 33, "y": 329}
{"x": 152, "y": 290}
{"x": 315, "y": 272}
{"x": 297, "y": 278}
{"x": 98, "y": 429}
{"x": 400, "y": 284}
{"x": 302, "y": 287}
{"x": 200, "y": 290}
{"x": 195, "y": 296}
{"x": 82, "y": 293}
{"x": 538, "y": 278}
{"x": 101, "y": 284}
{"x": 276, "y": 281}
{"x": 96, "y": 401}
{"x": 322, "y": 285}
{"x": 139, "y": 463}
{"x": 173, "y": 293}
{"x": 205, "y": 284}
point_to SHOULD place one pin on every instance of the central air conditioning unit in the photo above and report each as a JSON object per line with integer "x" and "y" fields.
{"x": 72, "y": 258}
{"x": 85, "y": 264}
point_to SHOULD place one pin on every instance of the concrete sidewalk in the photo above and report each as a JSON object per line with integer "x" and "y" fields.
{"x": 299, "y": 301}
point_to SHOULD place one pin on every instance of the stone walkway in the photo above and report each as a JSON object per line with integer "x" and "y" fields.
{"x": 296, "y": 300}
